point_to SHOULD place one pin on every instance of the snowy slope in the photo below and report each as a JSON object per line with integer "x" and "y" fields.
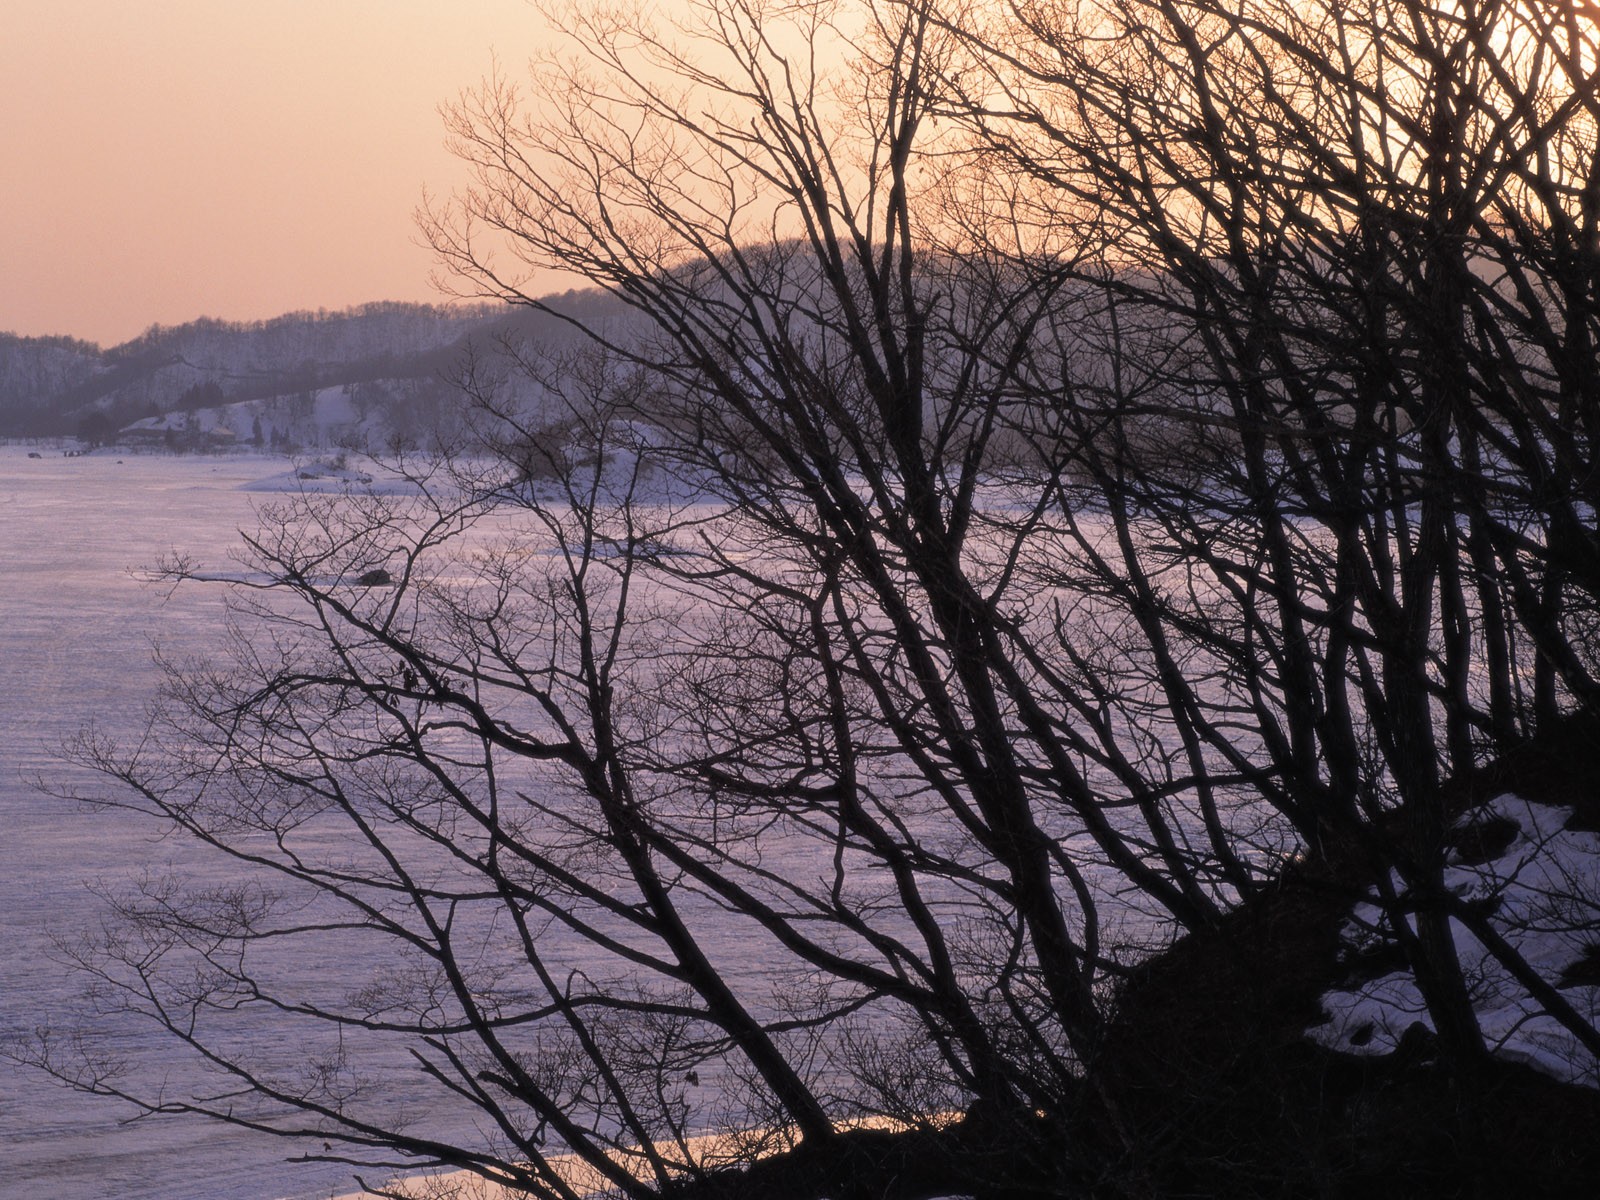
{"x": 1543, "y": 886}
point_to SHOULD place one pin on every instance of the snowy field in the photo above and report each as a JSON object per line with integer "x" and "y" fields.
{"x": 76, "y": 641}
{"x": 75, "y": 646}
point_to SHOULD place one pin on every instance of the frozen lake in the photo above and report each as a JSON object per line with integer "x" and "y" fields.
{"x": 77, "y": 628}
{"x": 76, "y": 636}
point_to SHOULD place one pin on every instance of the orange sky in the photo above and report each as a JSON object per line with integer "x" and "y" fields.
{"x": 162, "y": 160}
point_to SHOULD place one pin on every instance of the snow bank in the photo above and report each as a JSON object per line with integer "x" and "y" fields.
{"x": 1543, "y": 890}
{"x": 331, "y": 476}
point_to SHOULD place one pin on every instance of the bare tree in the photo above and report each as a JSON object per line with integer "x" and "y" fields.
{"x": 1357, "y": 233}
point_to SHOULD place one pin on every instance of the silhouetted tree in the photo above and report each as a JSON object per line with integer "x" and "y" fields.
{"x": 95, "y": 428}
{"x": 1341, "y": 244}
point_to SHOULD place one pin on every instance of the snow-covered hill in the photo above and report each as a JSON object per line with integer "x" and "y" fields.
{"x": 403, "y": 360}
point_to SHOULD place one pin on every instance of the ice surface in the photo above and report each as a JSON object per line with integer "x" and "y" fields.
{"x": 76, "y": 636}
{"x": 76, "y": 631}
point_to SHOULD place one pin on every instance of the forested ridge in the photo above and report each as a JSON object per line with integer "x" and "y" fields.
{"x": 53, "y": 386}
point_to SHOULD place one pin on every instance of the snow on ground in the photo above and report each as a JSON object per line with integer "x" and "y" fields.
{"x": 1544, "y": 886}
{"x": 333, "y": 475}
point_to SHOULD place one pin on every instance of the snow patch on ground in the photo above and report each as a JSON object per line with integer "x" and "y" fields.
{"x": 628, "y": 463}
{"x": 1544, "y": 892}
{"x": 335, "y": 475}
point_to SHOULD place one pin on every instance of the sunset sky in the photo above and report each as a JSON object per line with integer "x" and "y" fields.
{"x": 162, "y": 160}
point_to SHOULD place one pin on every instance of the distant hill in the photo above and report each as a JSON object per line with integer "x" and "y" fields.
{"x": 34, "y": 372}
{"x": 392, "y": 366}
